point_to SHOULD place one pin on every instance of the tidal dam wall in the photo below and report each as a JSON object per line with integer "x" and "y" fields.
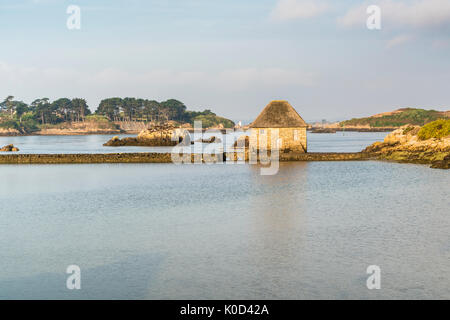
{"x": 163, "y": 158}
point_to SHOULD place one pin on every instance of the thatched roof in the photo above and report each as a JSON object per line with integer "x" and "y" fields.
{"x": 278, "y": 114}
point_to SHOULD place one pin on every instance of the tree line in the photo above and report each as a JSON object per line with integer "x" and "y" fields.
{"x": 114, "y": 109}
{"x": 44, "y": 111}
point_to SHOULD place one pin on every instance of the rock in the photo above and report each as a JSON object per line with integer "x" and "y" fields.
{"x": 186, "y": 126}
{"x": 375, "y": 147}
{"x": 443, "y": 164}
{"x": 157, "y": 136}
{"x": 9, "y": 148}
{"x": 323, "y": 130}
{"x": 117, "y": 142}
{"x": 212, "y": 139}
{"x": 403, "y": 145}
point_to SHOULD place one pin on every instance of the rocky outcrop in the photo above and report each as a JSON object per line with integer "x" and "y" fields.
{"x": 160, "y": 136}
{"x": 212, "y": 139}
{"x": 8, "y": 132}
{"x": 9, "y": 148}
{"x": 442, "y": 164}
{"x": 404, "y": 145}
{"x": 323, "y": 130}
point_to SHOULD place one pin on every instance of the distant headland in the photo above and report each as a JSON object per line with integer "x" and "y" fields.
{"x": 386, "y": 121}
{"x": 66, "y": 116}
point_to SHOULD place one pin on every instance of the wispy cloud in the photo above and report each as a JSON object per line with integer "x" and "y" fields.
{"x": 298, "y": 9}
{"x": 161, "y": 82}
{"x": 441, "y": 43}
{"x": 399, "y": 40}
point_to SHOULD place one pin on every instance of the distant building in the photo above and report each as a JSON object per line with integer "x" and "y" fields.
{"x": 280, "y": 115}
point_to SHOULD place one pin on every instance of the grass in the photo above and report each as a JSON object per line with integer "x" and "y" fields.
{"x": 437, "y": 129}
{"x": 97, "y": 118}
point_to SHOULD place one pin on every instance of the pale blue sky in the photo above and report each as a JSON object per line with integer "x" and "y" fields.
{"x": 231, "y": 56}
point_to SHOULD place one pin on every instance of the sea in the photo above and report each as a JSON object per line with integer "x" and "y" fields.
{"x": 313, "y": 230}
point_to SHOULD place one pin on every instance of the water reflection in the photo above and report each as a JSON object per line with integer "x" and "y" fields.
{"x": 279, "y": 226}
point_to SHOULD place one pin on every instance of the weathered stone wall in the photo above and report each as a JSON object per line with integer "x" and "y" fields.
{"x": 85, "y": 158}
{"x": 325, "y": 156}
{"x": 291, "y": 139}
{"x": 166, "y": 157}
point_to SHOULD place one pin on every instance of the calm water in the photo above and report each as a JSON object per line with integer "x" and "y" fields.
{"x": 338, "y": 142}
{"x": 156, "y": 231}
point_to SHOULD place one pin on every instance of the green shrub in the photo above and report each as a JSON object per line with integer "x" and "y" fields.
{"x": 213, "y": 120}
{"x": 9, "y": 124}
{"x": 29, "y": 125}
{"x": 97, "y": 118}
{"x": 437, "y": 129}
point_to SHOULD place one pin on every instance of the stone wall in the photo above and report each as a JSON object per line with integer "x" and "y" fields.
{"x": 166, "y": 157}
{"x": 290, "y": 139}
{"x": 86, "y": 158}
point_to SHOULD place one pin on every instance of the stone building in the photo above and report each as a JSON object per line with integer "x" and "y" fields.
{"x": 279, "y": 123}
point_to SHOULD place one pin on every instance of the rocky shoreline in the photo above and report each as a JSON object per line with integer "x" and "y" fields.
{"x": 403, "y": 145}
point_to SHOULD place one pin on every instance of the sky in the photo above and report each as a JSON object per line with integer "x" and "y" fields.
{"x": 231, "y": 56}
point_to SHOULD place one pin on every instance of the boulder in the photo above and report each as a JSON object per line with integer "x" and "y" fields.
{"x": 9, "y": 148}
{"x": 323, "y": 130}
{"x": 212, "y": 139}
{"x": 160, "y": 136}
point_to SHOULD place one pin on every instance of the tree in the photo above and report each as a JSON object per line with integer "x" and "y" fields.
{"x": 63, "y": 108}
{"x": 174, "y": 109}
{"x": 80, "y": 108}
{"x": 129, "y": 107}
{"x": 151, "y": 109}
{"x": 8, "y": 104}
{"x": 42, "y": 108}
{"x": 21, "y": 108}
{"x": 110, "y": 108}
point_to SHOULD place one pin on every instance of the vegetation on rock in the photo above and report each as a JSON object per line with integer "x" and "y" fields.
{"x": 211, "y": 120}
{"x": 437, "y": 129}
